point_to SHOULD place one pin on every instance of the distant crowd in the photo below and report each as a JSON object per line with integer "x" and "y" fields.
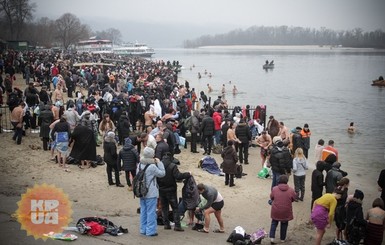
{"x": 81, "y": 101}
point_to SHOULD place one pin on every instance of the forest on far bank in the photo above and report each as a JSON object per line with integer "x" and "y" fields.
{"x": 285, "y": 35}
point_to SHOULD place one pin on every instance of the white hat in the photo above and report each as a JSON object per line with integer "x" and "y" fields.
{"x": 111, "y": 134}
{"x": 276, "y": 139}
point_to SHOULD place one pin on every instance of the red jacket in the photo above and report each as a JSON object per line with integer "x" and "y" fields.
{"x": 217, "y": 117}
{"x": 281, "y": 208}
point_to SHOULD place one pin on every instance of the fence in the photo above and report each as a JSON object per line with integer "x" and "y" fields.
{"x": 5, "y": 118}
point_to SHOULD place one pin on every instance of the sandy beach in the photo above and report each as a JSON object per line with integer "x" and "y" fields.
{"x": 245, "y": 204}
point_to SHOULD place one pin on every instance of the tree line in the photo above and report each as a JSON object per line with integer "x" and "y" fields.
{"x": 16, "y": 23}
{"x": 285, "y": 35}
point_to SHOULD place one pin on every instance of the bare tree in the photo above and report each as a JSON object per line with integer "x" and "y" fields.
{"x": 69, "y": 30}
{"x": 111, "y": 34}
{"x": 16, "y": 13}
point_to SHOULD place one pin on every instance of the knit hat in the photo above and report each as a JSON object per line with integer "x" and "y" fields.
{"x": 358, "y": 194}
{"x": 276, "y": 139}
{"x": 148, "y": 152}
{"x": 127, "y": 141}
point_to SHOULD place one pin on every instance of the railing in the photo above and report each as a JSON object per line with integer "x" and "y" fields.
{"x": 5, "y": 119}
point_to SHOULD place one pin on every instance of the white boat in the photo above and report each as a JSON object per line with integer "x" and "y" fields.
{"x": 95, "y": 45}
{"x": 134, "y": 49}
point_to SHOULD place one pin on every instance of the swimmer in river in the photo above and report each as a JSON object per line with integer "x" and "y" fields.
{"x": 351, "y": 128}
{"x": 205, "y": 72}
{"x": 235, "y": 90}
{"x": 210, "y": 89}
{"x": 199, "y": 75}
{"x": 210, "y": 75}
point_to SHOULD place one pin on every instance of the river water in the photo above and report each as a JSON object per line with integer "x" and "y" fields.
{"x": 325, "y": 87}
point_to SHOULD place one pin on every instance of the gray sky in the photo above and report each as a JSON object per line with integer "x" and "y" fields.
{"x": 169, "y": 22}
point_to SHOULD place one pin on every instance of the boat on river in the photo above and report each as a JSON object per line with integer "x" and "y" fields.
{"x": 268, "y": 65}
{"x": 134, "y": 49}
{"x": 378, "y": 83}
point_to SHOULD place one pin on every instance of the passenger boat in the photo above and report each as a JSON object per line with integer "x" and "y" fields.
{"x": 95, "y": 45}
{"x": 134, "y": 49}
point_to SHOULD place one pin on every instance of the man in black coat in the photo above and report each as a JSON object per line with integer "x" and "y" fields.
{"x": 207, "y": 131}
{"x": 280, "y": 159}
{"x": 161, "y": 146}
{"x": 242, "y": 131}
{"x": 168, "y": 192}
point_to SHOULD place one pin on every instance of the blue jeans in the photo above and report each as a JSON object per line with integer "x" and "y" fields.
{"x": 148, "y": 224}
{"x": 275, "y": 179}
{"x": 283, "y": 230}
{"x": 217, "y": 136}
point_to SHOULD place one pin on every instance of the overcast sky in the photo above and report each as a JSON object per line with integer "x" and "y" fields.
{"x": 169, "y": 22}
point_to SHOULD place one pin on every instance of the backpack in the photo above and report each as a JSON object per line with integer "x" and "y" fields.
{"x": 239, "y": 172}
{"x": 187, "y": 122}
{"x": 140, "y": 187}
{"x": 356, "y": 231}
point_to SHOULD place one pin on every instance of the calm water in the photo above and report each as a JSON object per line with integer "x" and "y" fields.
{"x": 326, "y": 88}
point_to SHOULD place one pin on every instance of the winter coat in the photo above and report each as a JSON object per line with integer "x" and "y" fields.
{"x": 167, "y": 183}
{"x": 110, "y": 151}
{"x": 281, "y": 208}
{"x": 317, "y": 182}
{"x": 195, "y": 122}
{"x": 45, "y": 119}
{"x": 281, "y": 160}
{"x": 242, "y": 131}
{"x": 273, "y": 127}
{"x": 129, "y": 156}
{"x": 300, "y": 166}
{"x": 332, "y": 178}
{"x": 217, "y": 117}
{"x": 161, "y": 149}
{"x": 207, "y": 126}
{"x": 123, "y": 127}
{"x": 152, "y": 172}
{"x": 84, "y": 147}
{"x": 230, "y": 160}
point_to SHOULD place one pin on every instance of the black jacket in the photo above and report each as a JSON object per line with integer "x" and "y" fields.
{"x": 123, "y": 127}
{"x": 110, "y": 152}
{"x": 317, "y": 181}
{"x": 161, "y": 149}
{"x": 168, "y": 182}
{"x": 281, "y": 160}
{"x": 242, "y": 131}
{"x": 207, "y": 126}
{"x": 129, "y": 157}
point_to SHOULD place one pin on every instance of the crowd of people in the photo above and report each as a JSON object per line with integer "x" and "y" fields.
{"x": 141, "y": 106}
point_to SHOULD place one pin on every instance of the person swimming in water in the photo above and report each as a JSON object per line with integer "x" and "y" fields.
{"x": 351, "y": 128}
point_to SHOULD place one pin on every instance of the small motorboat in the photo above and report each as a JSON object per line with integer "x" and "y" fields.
{"x": 268, "y": 65}
{"x": 380, "y": 82}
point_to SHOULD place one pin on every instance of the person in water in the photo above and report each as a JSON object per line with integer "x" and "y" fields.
{"x": 210, "y": 89}
{"x": 235, "y": 90}
{"x": 351, "y": 128}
